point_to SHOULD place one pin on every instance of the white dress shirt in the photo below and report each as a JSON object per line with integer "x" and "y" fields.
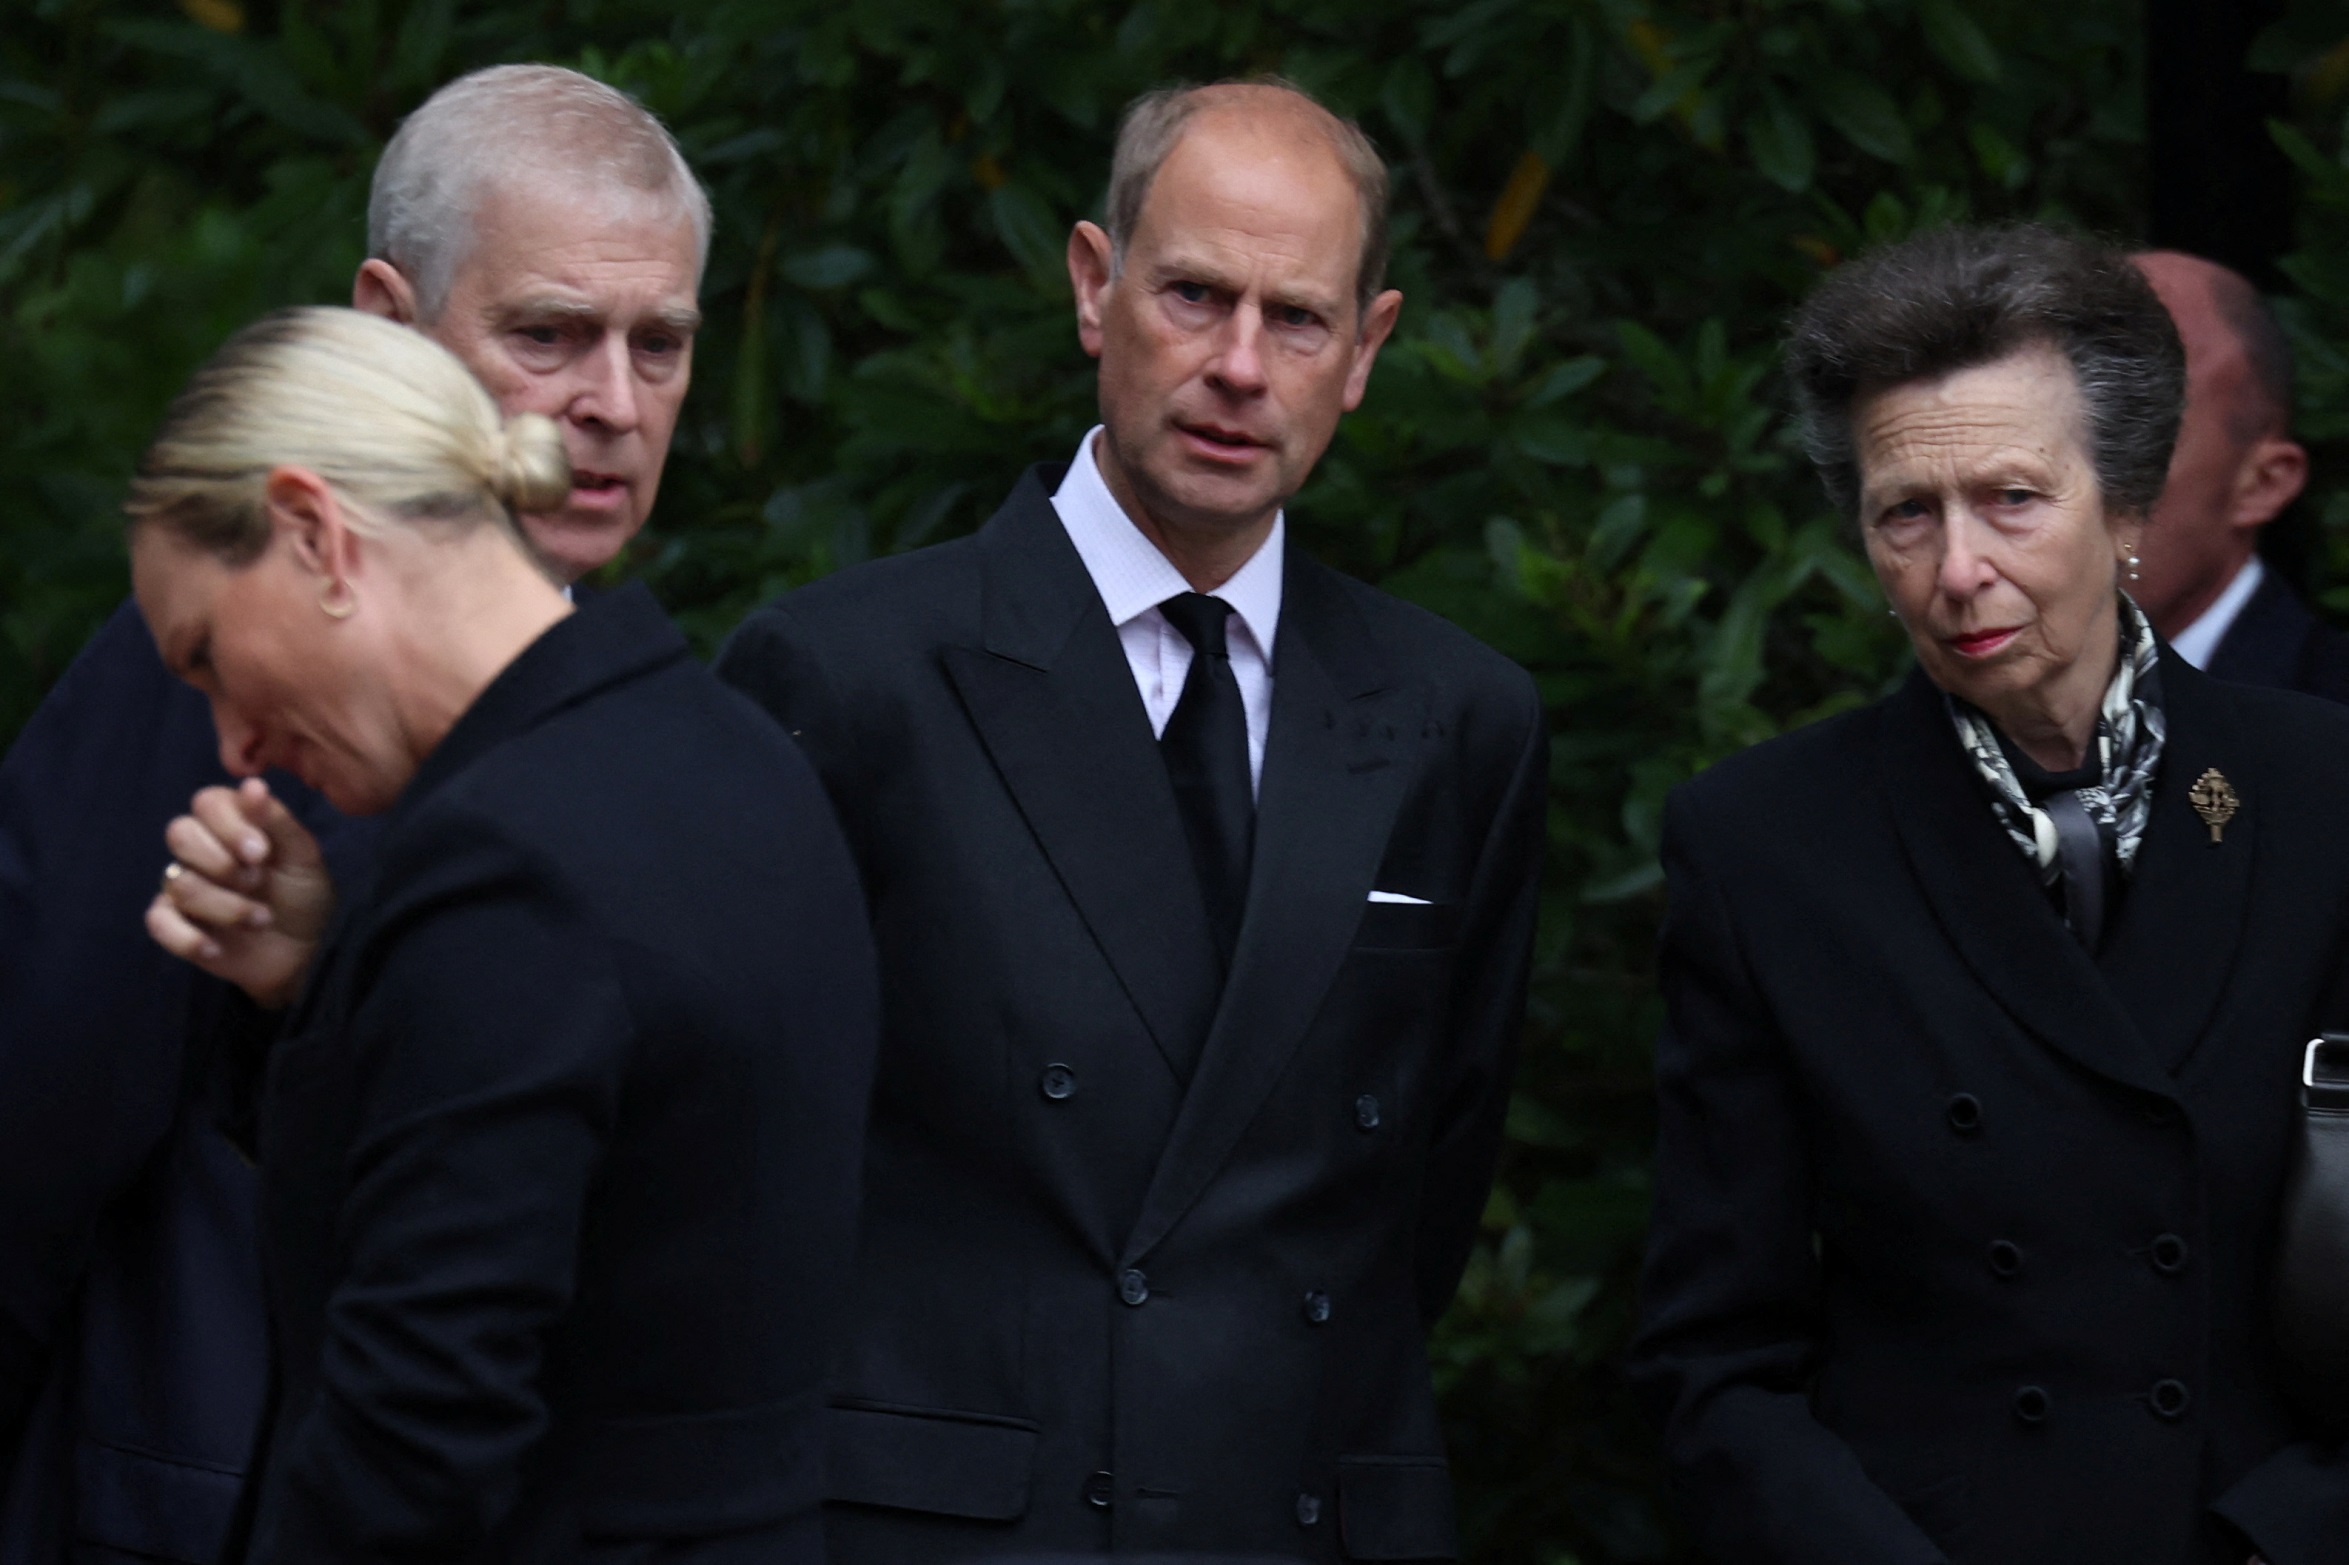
{"x": 1133, "y": 578}
{"x": 2198, "y": 641}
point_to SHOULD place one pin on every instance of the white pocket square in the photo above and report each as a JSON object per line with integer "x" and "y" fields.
{"x": 1397, "y": 896}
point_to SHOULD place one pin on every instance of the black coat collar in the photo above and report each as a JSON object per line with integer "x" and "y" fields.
{"x": 2265, "y": 644}
{"x": 610, "y": 637}
{"x": 2134, "y": 1013}
{"x": 1053, "y": 698}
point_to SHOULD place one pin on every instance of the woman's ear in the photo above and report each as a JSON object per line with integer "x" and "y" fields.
{"x": 308, "y": 517}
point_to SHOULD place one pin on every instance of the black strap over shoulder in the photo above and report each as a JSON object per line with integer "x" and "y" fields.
{"x": 2312, "y": 1258}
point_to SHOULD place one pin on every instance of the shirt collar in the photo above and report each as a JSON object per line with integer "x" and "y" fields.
{"x": 2199, "y": 641}
{"x": 1134, "y": 578}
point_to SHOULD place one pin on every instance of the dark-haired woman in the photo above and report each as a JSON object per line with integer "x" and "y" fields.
{"x": 1986, "y": 1002}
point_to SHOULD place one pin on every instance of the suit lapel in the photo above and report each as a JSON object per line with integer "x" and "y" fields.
{"x": 1989, "y": 904}
{"x": 1338, "y": 756}
{"x": 1054, "y": 702}
{"x": 2169, "y": 958}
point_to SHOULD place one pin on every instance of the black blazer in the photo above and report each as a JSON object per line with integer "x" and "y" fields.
{"x": 1962, "y": 1236}
{"x": 2278, "y": 640}
{"x": 559, "y": 1148}
{"x": 133, "y": 1340}
{"x": 1100, "y": 1305}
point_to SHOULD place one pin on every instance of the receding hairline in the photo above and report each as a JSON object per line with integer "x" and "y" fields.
{"x": 1256, "y": 105}
{"x": 2251, "y": 329}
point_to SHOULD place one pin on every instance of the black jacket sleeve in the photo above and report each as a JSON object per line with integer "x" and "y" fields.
{"x": 1496, "y": 954}
{"x": 94, "y": 1017}
{"x": 769, "y": 660}
{"x": 486, "y": 1055}
{"x": 1732, "y": 1296}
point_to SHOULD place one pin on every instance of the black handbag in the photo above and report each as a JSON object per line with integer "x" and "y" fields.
{"x": 2312, "y": 1257}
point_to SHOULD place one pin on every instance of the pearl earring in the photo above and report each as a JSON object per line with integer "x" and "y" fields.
{"x": 2134, "y": 562}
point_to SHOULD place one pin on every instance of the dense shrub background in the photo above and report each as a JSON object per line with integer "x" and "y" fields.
{"x": 1605, "y": 209}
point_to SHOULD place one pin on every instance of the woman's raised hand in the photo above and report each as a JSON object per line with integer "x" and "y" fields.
{"x": 247, "y": 895}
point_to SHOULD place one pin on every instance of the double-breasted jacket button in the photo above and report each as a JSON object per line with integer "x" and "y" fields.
{"x": 1366, "y": 1112}
{"x": 2006, "y": 1257}
{"x": 1058, "y": 1083}
{"x": 2032, "y": 1405}
{"x": 1100, "y": 1490}
{"x": 1308, "y": 1509}
{"x": 2169, "y": 1399}
{"x": 2169, "y": 1254}
{"x": 1965, "y": 1114}
{"x": 1132, "y": 1286}
{"x": 1316, "y": 1307}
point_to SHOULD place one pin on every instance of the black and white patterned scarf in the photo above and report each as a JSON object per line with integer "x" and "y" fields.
{"x": 2130, "y": 731}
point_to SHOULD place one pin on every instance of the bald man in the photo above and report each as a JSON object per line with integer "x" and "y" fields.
{"x": 2236, "y": 468}
{"x": 545, "y": 229}
{"x": 1204, "y": 882}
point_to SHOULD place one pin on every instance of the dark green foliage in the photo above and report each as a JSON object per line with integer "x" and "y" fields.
{"x": 2312, "y": 45}
{"x": 1605, "y": 210}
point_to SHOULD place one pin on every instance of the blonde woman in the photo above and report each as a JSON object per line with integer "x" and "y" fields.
{"x": 558, "y": 1141}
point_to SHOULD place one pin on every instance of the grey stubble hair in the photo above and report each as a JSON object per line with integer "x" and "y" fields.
{"x": 515, "y": 122}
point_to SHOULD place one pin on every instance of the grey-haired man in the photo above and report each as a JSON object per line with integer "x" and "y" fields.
{"x": 544, "y": 228}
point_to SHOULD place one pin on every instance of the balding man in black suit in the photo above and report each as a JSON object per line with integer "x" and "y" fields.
{"x": 1204, "y": 884}
{"x": 2236, "y": 468}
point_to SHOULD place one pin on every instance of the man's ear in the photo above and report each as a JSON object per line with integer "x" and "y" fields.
{"x": 1378, "y": 324}
{"x": 382, "y": 289}
{"x": 307, "y": 517}
{"x": 2272, "y": 475}
{"x": 1091, "y": 270}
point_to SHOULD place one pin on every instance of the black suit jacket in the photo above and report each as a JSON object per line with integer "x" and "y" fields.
{"x": 1098, "y": 1305}
{"x": 2277, "y": 640}
{"x": 1962, "y": 1237}
{"x": 559, "y": 1148}
{"x": 133, "y": 1342}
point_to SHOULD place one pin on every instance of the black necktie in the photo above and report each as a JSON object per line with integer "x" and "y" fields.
{"x": 1206, "y": 751}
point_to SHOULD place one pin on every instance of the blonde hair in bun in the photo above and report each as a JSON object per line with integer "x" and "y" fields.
{"x": 390, "y": 419}
{"x": 533, "y": 472}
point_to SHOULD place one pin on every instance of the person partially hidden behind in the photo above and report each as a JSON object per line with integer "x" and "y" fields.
{"x": 542, "y": 227}
{"x": 2201, "y": 580}
{"x": 1204, "y": 882}
{"x": 559, "y": 1146}
{"x": 1986, "y": 1002}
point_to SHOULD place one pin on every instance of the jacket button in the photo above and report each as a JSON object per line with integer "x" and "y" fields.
{"x": 1100, "y": 1489}
{"x": 1132, "y": 1286}
{"x": 1366, "y": 1112}
{"x": 2160, "y": 1111}
{"x": 2032, "y": 1404}
{"x": 1317, "y": 1307}
{"x": 1308, "y": 1509}
{"x": 1965, "y": 1113}
{"x": 2170, "y": 1399}
{"x": 1058, "y": 1083}
{"x": 2169, "y": 1254}
{"x": 2006, "y": 1257}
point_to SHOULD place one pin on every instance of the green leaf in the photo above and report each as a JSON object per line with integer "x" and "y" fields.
{"x": 1567, "y": 379}
{"x": 831, "y": 266}
{"x": 1555, "y": 440}
{"x": 1781, "y": 145}
{"x": 1514, "y": 312}
{"x": 1654, "y": 359}
{"x": 1036, "y": 238}
{"x": 1960, "y": 41}
{"x": 1866, "y": 115}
